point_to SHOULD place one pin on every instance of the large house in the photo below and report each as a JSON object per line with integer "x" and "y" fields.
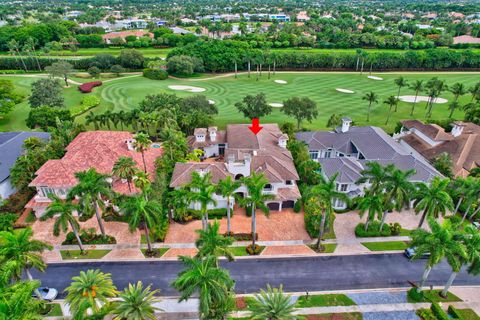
{"x": 347, "y": 150}
{"x": 431, "y": 140}
{"x": 93, "y": 149}
{"x": 237, "y": 152}
{"x": 11, "y": 147}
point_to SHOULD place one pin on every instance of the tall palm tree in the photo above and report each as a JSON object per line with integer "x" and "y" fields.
{"x": 417, "y": 86}
{"x": 458, "y": 89}
{"x": 470, "y": 239}
{"x": 373, "y": 204}
{"x": 272, "y": 304}
{"x": 435, "y": 88}
{"x": 19, "y": 253}
{"x": 125, "y": 168}
{"x": 398, "y": 189}
{"x": 255, "y": 184}
{"x": 371, "y": 97}
{"x": 62, "y": 211}
{"x": 211, "y": 243}
{"x": 375, "y": 175}
{"x": 92, "y": 118}
{"x": 201, "y": 276}
{"x": 400, "y": 82}
{"x": 471, "y": 196}
{"x": 227, "y": 188}
{"x": 475, "y": 91}
{"x": 460, "y": 188}
{"x": 142, "y": 143}
{"x": 14, "y": 47}
{"x": 142, "y": 212}
{"x": 433, "y": 200}
{"x": 91, "y": 190}
{"x": 390, "y": 101}
{"x": 454, "y": 105}
{"x": 136, "y": 303}
{"x": 17, "y": 302}
{"x": 441, "y": 242}
{"x": 202, "y": 191}
{"x": 90, "y": 290}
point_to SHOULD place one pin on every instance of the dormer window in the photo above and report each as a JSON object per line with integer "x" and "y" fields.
{"x": 268, "y": 187}
{"x": 289, "y": 183}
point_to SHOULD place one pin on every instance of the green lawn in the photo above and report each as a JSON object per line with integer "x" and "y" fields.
{"x": 241, "y": 251}
{"x": 56, "y": 310}
{"x": 126, "y": 93}
{"x": 434, "y": 296}
{"x": 386, "y": 246}
{"x": 468, "y": 314}
{"x": 90, "y": 254}
{"x": 329, "y": 247}
{"x": 324, "y": 300}
{"x": 161, "y": 252}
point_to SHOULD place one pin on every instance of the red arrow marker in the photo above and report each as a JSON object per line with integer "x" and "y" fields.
{"x": 255, "y": 127}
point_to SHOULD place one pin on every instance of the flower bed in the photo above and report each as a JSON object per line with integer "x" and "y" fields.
{"x": 88, "y": 86}
{"x": 89, "y": 237}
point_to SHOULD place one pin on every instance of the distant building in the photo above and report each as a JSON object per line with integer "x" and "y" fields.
{"x": 177, "y": 30}
{"x": 303, "y": 16}
{"x": 11, "y": 147}
{"x": 465, "y": 39}
{"x": 123, "y": 34}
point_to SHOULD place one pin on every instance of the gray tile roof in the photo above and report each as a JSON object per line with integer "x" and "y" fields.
{"x": 11, "y": 147}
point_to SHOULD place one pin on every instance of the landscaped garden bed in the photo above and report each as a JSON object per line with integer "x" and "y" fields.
{"x": 89, "y": 237}
{"x": 88, "y": 86}
{"x": 324, "y": 300}
{"x": 392, "y": 229}
{"x": 86, "y": 254}
{"x": 430, "y": 296}
{"x": 327, "y": 248}
{"x": 242, "y": 251}
{"x": 156, "y": 253}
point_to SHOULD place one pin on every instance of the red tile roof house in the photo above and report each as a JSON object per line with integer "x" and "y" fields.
{"x": 237, "y": 152}
{"x": 91, "y": 149}
{"x": 107, "y": 38}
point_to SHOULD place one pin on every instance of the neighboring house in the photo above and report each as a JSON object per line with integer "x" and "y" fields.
{"x": 11, "y": 147}
{"x": 107, "y": 38}
{"x": 431, "y": 140}
{"x": 303, "y": 16}
{"x": 178, "y": 30}
{"x": 347, "y": 150}
{"x": 91, "y": 149}
{"x": 237, "y": 152}
{"x": 465, "y": 39}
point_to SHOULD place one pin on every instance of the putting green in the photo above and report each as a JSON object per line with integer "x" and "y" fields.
{"x": 225, "y": 90}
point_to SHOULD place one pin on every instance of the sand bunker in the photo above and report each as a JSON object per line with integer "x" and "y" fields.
{"x": 374, "y": 78}
{"x": 276, "y": 105}
{"x": 187, "y": 88}
{"x": 211, "y": 101}
{"x": 411, "y": 99}
{"x": 344, "y": 90}
{"x": 281, "y": 81}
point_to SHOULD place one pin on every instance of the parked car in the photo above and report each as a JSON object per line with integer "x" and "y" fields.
{"x": 410, "y": 252}
{"x": 46, "y": 293}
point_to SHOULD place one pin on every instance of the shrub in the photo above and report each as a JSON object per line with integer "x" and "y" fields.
{"x": 155, "y": 74}
{"x": 297, "y": 207}
{"x": 88, "y": 102}
{"x": 438, "y": 311}
{"x": 44, "y": 117}
{"x": 7, "y": 220}
{"x": 241, "y": 236}
{"x": 89, "y": 237}
{"x": 160, "y": 232}
{"x": 212, "y": 213}
{"x": 454, "y": 312}
{"x": 414, "y": 295}
{"x": 373, "y": 230}
{"x": 395, "y": 228}
{"x": 17, "y": 201}
{"x": 253, "y": 251}
{"x": 88, "y": 86}
{"x": 425, "y": 314}
{"x": 94, "y": 71}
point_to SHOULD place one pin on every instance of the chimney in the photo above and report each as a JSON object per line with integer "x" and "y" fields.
{"x": 212, "y": 132}
{"x": 457, "y": 128}
{"x": 346, "y": 124}
{"x": 282, "y": 140}
{"x": 130, "y": 144}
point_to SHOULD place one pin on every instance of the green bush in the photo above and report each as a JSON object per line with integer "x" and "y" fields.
{"x": 160, "y": 232}
{"x": 155, "y": 74}
{"x": 414, "y": 295}
{"x": 248, "y": 211}
{"x": 212, "y": 213}
{"x": 395, "y": 228}
{"x": 454, "y": 312}
{"x": 253, "y": 251}
{"x": 241, "y": 236}
{"x": 438, "y": 311}
{"x": 297, "y": 207}
{"x": 425, "y": 314}
{"x": 88, "y": 102}
{"x": 7, "y": 220}
{"x": 17, "y": 201}
{"x": 89, "y": 237}
{"x": 373, "y": 230}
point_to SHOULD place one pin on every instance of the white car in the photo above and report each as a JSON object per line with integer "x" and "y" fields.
{"x": 46, "y": 293}
{"x": 410, "y": 252}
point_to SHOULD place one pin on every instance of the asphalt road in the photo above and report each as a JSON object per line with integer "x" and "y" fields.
{"x": 296, "y": 274}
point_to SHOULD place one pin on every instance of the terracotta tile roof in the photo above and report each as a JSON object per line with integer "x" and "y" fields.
{"x": 92, "y": 149}
{"x": 182, "y": 173}
{"x": 465, "y": 39}
{"x": 432, "y": 131}
{"x": 124, "y": 34}
{"x": 220, "y": 138}
{"x": 285, "y": 194}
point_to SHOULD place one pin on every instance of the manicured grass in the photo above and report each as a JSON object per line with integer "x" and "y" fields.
{"x": 242, "y": 251}
{"x": 468, "y": 314}
{"x": 56, "y": 310}
{"x": 386, "y": 246}
{"x": 329, "y": 247}
{"x": 405, "y": 232}
{"x": 161, "y": 252}
{"x": 127, "y": 92}
{"x": 324, "y": 300}
{"x": 335, "y": 316}
{"x": 89, "y": 254}
{"x": 434, "y": 296}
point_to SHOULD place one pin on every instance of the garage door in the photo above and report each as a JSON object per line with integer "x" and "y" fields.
{"x": 287, "y": 204}
{"x": 274, "y": 206}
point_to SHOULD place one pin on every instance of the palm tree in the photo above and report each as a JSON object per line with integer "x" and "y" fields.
{"x": 470, "y": 239}
{"x": 125, "y": 168}
{"x": 141, "y": 212}
{"x": 398, "y": 189}
{"x": 91, "y": 190}
{"x": 62, "y": 211}
{"x": 14, "y": 47}
{"x": 433, "y": 200}
{"x": 201, "y": 276}
{"x": 272, "y": 304}
{"x": 211, "y": 243}
{"x": 90, "y": 290}
{"x": 471, "y": 195}
{"x": 460, "y": 188}
{"x": 371, "y": 97}
{"x": 136, "y": 303}
{"x": 417, "y": 86}
{"x": 458, "y": 89}
{"x": 373, "y": 204}
{"x": 19, "y": 253}
{"x": 17, "y": 302}
{"x": 255, "y": 184}
{"x": 376, "y": 175}
{"x": 400, "y": 82}
{"x": 441, "y": 242}
{"x": 227, "y": 188}
{"x": 435, "y": 88}
{"x": 142, "y": 143}
{"x": 202, "y": 191}
{"x": 475, "y": 91}
{"x": 453, "y": 106}
{"x": 391, "y": 101}
{"x": 92, "y": 118}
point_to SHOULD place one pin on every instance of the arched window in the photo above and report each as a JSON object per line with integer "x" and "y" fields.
{"x": 238, "y": 176}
